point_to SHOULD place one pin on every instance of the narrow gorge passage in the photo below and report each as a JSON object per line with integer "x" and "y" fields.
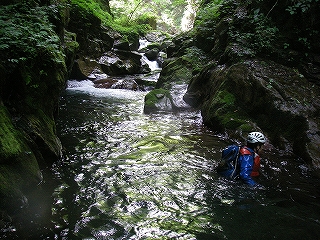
{"x": 129, "y": 175}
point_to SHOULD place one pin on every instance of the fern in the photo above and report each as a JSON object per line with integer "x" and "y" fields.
{"x": 26, "y": 32}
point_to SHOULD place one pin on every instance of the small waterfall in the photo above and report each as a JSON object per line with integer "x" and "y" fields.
{"x": 153, "y": 65}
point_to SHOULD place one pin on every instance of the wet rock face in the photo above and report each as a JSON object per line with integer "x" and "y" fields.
{"x": 120, "y": 63}
{"x": 93, "y": 39}
{"x": 152, "y": 54}
{"x": 112, "y": 63}
{"x": 158, "y": 100}
{"x": 129, "y": 84}
{"x": 16, "y": 156}
{"x": 261, "y": 94}
{"x": 29, "y": 97}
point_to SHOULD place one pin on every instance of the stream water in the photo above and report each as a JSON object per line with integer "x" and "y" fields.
{"x": 128, "y": 175}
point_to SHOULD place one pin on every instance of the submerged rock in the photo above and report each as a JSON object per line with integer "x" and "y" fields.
{"x": 129, "y": 84}
{"x": 158, "y": 100}
{"x": 104, "y": 83}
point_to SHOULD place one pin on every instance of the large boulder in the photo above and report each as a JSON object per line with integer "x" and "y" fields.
{"x": 174, "y": 78}
{"x": 113, "y": 63}
{"x": 174, "y": 71}
{"x": 257, "y": 94}
{"x": 123, "y": 83}
{"x": 120, "y": 63}
{"x": 158, "y": 100}
{"x": 152, "y": 54}
{"x": 126, "y": 45}
{"x": 83, "y": 68}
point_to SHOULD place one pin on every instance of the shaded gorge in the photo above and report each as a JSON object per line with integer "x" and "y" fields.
{"x": 125, "y": 174}
{"x": 130, "y": 175}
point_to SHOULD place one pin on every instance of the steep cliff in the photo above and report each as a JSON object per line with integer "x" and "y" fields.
{"x": 261, "y": 72}
{"x": 33, "y": 74}
{"x": 42, "y": 44}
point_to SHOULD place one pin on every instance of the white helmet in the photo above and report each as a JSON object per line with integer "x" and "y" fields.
{"x": 256, "y": 137}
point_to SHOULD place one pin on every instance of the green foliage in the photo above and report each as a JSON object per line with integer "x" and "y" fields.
{"x": 256, "y": 35}
{"x": 167, "y": 13}
{"x": 129, "y": 30}
{"x": 96, "y": 8}
{"x": 208, "y": 14}
{"x": 148, "y": 19}
{"x": 26, "y": 34}
{"x": 300, "y": 5}
{"x": 196, "y": 57}
{"x": 250, "y": 32}
{"x": 305, "y": 12}
{"x": 206, "y": 22}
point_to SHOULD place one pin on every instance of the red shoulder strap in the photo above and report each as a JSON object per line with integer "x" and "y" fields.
{"x": 244, "y": 151}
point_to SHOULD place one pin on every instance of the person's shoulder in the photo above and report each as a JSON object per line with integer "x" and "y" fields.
{"x": 245, "y": 150}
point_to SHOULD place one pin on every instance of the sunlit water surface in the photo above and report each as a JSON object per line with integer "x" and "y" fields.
{"x": 128, "y": 175}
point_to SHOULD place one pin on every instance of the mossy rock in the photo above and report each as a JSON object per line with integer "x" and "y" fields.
{"x": 19, "y": 168}
{"x": 154, "y": 45}
{"x": 255, "y": 94}
{"x": 42, "y": 129}
{"x": 158, "y": 100}
{"x": 177, "y": 71}
{"x": 222, "y": 111}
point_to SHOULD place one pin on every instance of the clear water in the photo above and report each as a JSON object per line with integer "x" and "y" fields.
{"x": 127, "y": 175}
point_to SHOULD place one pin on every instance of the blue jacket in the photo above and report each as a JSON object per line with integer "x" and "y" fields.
{"x": 245, "y": 163}
{"x": 244, "y": 167}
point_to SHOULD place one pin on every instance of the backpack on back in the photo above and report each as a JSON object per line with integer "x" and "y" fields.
{"x": 229, "y": 159}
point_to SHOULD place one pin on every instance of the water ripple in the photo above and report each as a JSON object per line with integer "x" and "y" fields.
{"x": 127, "y": 175}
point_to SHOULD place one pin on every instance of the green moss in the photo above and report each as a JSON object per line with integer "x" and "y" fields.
{"x": 222, "y": 111}
{"x": 223, "y": 100}
{"x": 178, "y": 71}
{"x": 154, "y": 45}
{"x": 148, "y": 19}
{"x": 13, "y": 146}
{"x": 42, "y": 127}
{"x": 231, "y": 120}
{"x": 153, "y": 97}
{"x": 246, "y": 127}
{"x": 10, "y": 144}
{"x": 226, "y": 97}
{"x": 18, "y": 166}
{"x": 7, "y": 177}
{"x": 97, "y": 8}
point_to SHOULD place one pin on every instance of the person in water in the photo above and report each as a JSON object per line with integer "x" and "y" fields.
{"x": 248, "y": 164}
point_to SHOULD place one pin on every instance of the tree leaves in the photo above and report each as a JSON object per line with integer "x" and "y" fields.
{"x": 168, "y": 12}
{"x": 26, "y": 33}
{"x": 301, "y": 5}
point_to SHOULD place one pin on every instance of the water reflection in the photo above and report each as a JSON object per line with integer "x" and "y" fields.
{"x": 127, "y": 175}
